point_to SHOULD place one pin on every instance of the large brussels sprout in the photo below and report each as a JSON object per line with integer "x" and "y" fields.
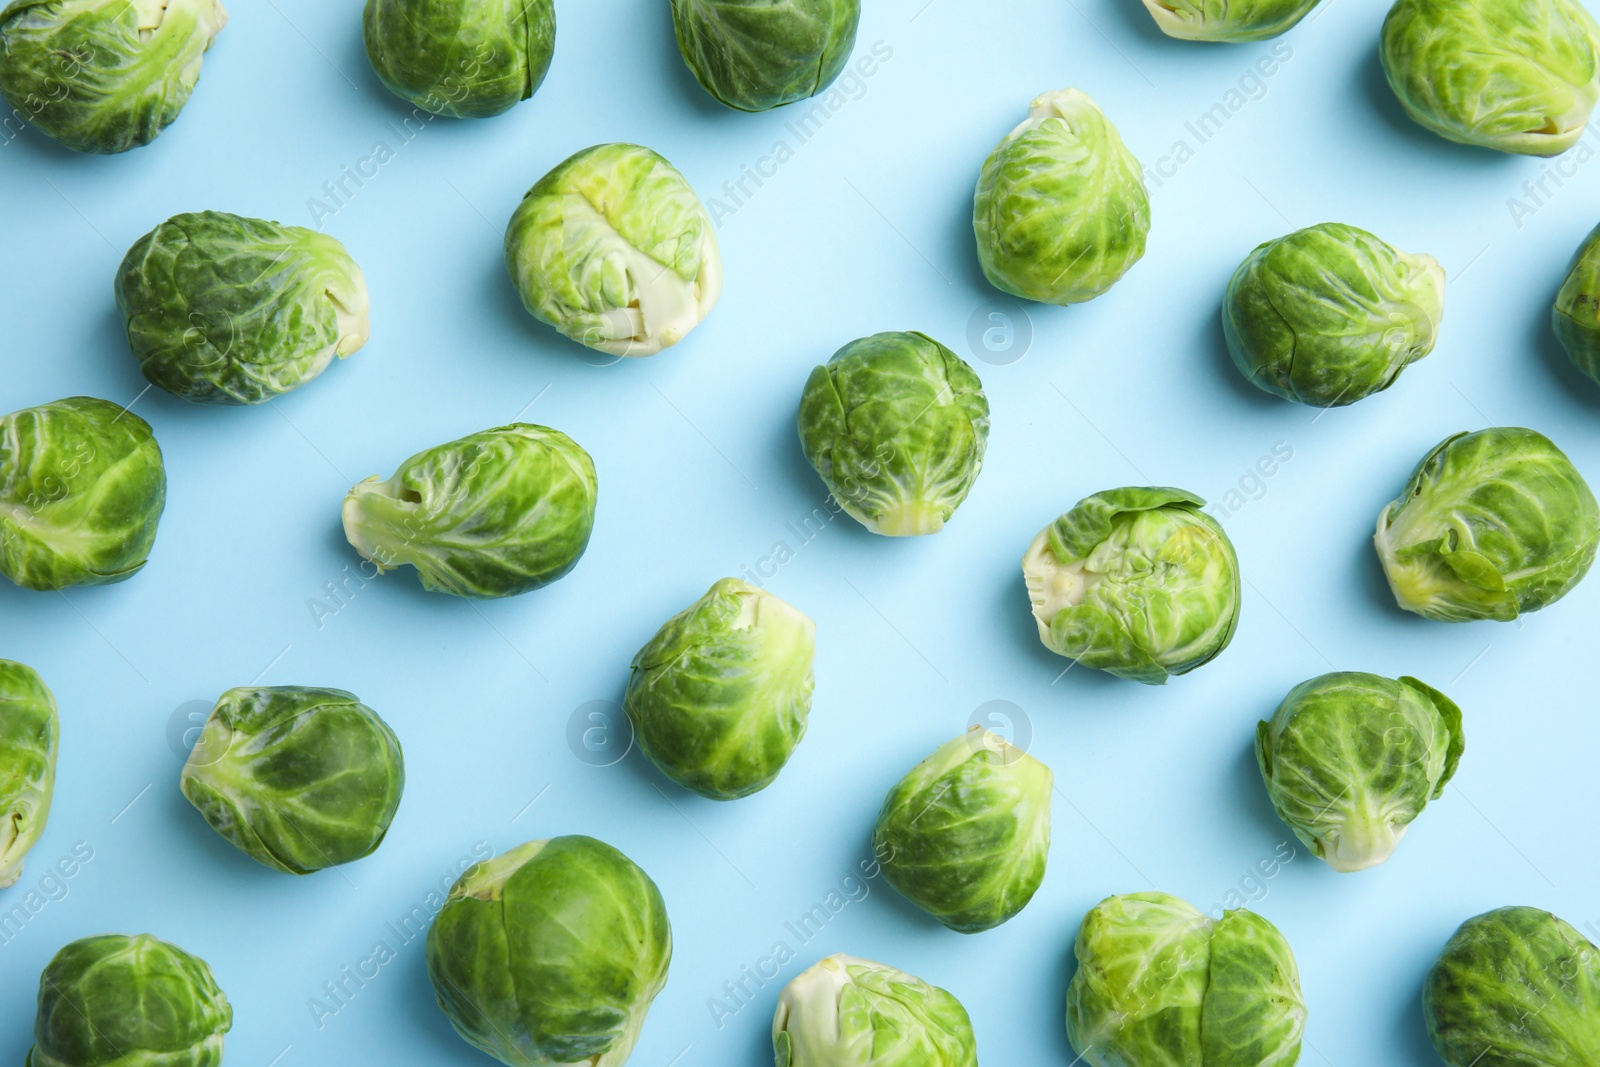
{"x": 1138, "y": 582}
{"x": 850, "y": 1012}
{"x": 494, "y": 514}
{"x": 1061, "y": 210}
{"x": 551, "y": 954}
{"x": 82, "y": 486}
{"x": 104, "y": 75}
{"x": 965, "y": 835}
{"x": 1159, "y": 983}
{"x": 1576, "y": 315}
{"x": 1331, "y": 314}
{"x": 719, "y": 697}
{"x": 29, "y": 736}
{"x": 1492, "y": 524}
{"x": 1515, "y": 987}
{"x": 754, "y": 55}
{"x": 1515, "y": 75}
{"x": 296, "y": 778}
{"x": 1227, "y": 20}
{"x": 224, "y": 309}
{"x": 615, "y": 250}
{"x": 120, "y": 1001}
{"x": 1349, "y": 759}
{"x": 463, "y": 58}
{"x": 896, "y": 425}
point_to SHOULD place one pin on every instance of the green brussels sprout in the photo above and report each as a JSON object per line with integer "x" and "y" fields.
{"x": 120, "y": 1001}
{"x": 615, "y": 250}
{"x": 551, "y": 954}
{"x": 896, "y": 425}
{"x": 1349, "y": 759}
{"x": 494, "y": 514}
{"x": 850, "y": 1012}
{"x": 965, "y": 835}
{"x": 82, "y": 486}
{"x": 1138, "y": 582}
{"x": 719, "y": 697}
{"x": 1160, "y": 983}
{"x": 1227, "y": 20}
{"x": 1576, "y": 315}
{"x": 223, "y": 309}
{"x": 1061, "y": 210}
{"x": 298, "y": 779}
{"x": 1515, "y": 987}
{"x": 1515, "y": 75}
{"x": 29, "y": 736}
{"x": 468, "y": 59}
{"x": 1331, "y": 314}
{"x": 755, "y": 55}
{"x": 1492, "y": 524}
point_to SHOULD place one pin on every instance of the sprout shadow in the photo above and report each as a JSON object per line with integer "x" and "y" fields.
{"x": 971, "y": 271}
{"x": 1411, "y": 1034}
{"x": 355, "y": 62}
{"x": 1215, "y": 340}
{"x": 1374, "y": 584}
{"x": 1065, "y": 970}
{"x": 1542, "y": 339}
{"x": 1251, "y": 794}
{"x": 417, "y": 1000}
{"x": 684, "y": 83}
{"x": 120, "y": 370}
{"x": 1140, "y": 21}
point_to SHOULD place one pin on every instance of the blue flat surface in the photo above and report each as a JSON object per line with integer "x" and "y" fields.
{"x": 864, "y": 226}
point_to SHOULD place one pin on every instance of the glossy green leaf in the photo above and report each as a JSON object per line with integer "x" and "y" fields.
{"x": 754, "y": 55}
{"x": 850, "y": 1012}
{"x": 1227, "y": 20}
{"x": 30, "y": 733}
{"x": 463, "y": 58}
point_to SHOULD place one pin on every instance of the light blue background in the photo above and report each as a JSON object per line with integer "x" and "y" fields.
{"x": 866, "y": 228}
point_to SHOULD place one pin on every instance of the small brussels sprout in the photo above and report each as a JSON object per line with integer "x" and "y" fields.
{"x": 1160, "y": 983}
{"x": 467, "y": 59}
{"x": 223, "y": 309}
{"x": 1061, "y": 210}
{"x": 965, "y": 835}
{"x": 1515, "y": 75}
{"x": 104, "y": 75}
{"x": 1576, "y": 315}
{"x": 1138, "y": 582}
{"x": 29, "y": 736}
{"x": 551, "y": 954}
{"x": 120, "y": 1001}
{"x": 896, "y": 425}
{"x": 1331, "y": 314}
{"x": 719, "y": 697}
{"x": 82, "y": 487}
{"x": 1492, "y": 524}
{"x": 1349, "y": 759}
{"x": 615, "y": 250}
{"x": 494, "y": 514}
{"x": 755, "y": 55}
{"x": 1227, "y": 20}
{"x": 298, "y": 779}
{"x": 850, "y": 1012}
{"x": 1515, "y": 987}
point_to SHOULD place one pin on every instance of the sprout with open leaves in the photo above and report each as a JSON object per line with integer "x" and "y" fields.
{"x": 1227, "y": 20}
{"x": 849, "y": 1012}
{"x": 462, "y": 58}
{"x": 755, "y": 55}
{"x": 30, "y": 732}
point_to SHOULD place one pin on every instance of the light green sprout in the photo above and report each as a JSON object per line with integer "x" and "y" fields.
{"x": 1227, "y": 20}
{"x": 850, "y": 1012}
{"x": 755, "y": 55}
{"x": 30, "y": 732}
{"x": 1576, "y": 315}
{"x": 461, "y": 58}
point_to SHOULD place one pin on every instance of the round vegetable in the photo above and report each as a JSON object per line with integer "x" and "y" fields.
{"x": 1576, "y": 315}
{"x": 462, "y": 58}
{"x": 755, "y": 55}
{"x": 1492, "y": 524}
{"x": 1138, "y": 582}
{"x": 224, "y": 309}
{"x": 849, "y": 1012}
{"x": 30, "y": 733}
{"x": 82, "y": 487}
{"x": 1331, "y": 314}
{"x": 896, "y": 425}
{"x": 1227, "y": 20}
{"x": 551, "y": 954}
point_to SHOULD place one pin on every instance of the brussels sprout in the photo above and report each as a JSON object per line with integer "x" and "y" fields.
{"x": 755, "y": 55}
{"x": 1515, "y": 75}
{"x": 1160, "y": 983}
{"x": 82, "y": 486}
{"x": 467, "y": 59}
{"x": 965, "y": 835}
{"x": 1061, "y": 210}
{"x": 1349, "y": 759}
{"x": 224, "y": 309}
{"x": 1138, "y": 582}
{"x": 849, "y": 1012}
{"x": 29, "y": 734}
{"x": 1515, "y": 987}
{"x": 1492, "y": 524}
{"x": 120, "y": 1001}
{"x": 1331, "y": 314}
{"x": 896, "y": 425}
{"x": 719, "y": 697}
{"x": 1576, "y": 315}
{"x": 104, "y": 75}
{"x": 1227, "y": 20}
{"x": 494, "y": 514}
{"x": 614, "y": 249}
{"x": 551, "y": 954}
{"x": 296, "y": 778}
